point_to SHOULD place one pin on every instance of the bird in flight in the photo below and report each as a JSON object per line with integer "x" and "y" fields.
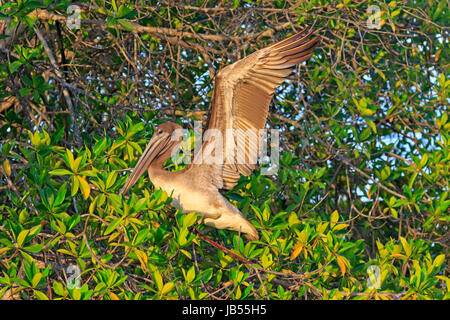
{"x": 239, "y": 108}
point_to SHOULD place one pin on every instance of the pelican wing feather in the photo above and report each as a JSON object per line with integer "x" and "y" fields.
{"x": 242, "y": 94}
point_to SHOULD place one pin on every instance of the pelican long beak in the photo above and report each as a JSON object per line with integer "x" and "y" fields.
{"x": 153, "y": 149}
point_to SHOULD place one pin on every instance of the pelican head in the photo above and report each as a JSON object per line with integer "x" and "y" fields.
{"x": 164, "y": 139}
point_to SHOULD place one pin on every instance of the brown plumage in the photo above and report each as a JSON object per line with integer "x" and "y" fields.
{"x": 242, "y": 94}
{"x": 244, "y": 89}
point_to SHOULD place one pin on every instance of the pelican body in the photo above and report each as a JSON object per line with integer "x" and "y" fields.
{"x": 242, "y": 94}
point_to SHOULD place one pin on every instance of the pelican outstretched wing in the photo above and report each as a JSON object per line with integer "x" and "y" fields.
{"x": 242, "y": 94}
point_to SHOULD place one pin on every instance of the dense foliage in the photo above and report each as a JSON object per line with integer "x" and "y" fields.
{"x": 357, "y": 210}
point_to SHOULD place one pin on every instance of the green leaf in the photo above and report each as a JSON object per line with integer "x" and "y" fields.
{"x": 112, "y": 226}
{"x": 141, "y": 236}
{"x": 111, "y": 179}
{"x": 127, "y": 25}
{"x": 207, "y": 274}
{"x": 385, "y": 173}
{"x": 14, "y": 66}
{"x": 60, "y": 172}
{"x": 189, "y": 219}
{"x": 61, "y": 195}
{"x": 33, "y": 4}
{"x": 34, "y": 248}
{"x": 100, "y": 146}
{"x": 24, "y": 91}
{"x": 58, "y": 288}
{"x": 73, "y": 221}
{"x": 88, "y": 173}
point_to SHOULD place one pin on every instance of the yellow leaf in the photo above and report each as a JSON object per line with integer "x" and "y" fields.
{"x": 76, "y": 294}
{"x": 167, "y": 288}
{"x": 436, "y": 58}
{"x": 113, "y": 296}
{"x": 297, "y": 251}
{"x": 367, "y": 112}
{"x": 21, "y": 237}
{"x": 85, "y": 189}
{"x": 2, "y": 250}
{"x": 7, "y": 167}
{"x": 158, "y": 280}
{"x": 142, "y": 258}
{"x": 406, "y": 246}
{"x": 155, "y": 224}
{"x": 397, "y": 255}
{"x": 65, "y": 251}
{"x": 341, "y": 264}
{"x": 36, "y": 278}
{"x": 439, "y": 260}
{"x": 334, "y": 216}
{"x": 70, "y": 158}
{"x": 76, "y": 163}
{"x": 288, "y": 271}
{"x": 340, "y": 226}
{"x": 226, "y": 284}
{"x": 381, "y": 73}
{"x": 417, "y": 86}
{"x": 392, "y": 26}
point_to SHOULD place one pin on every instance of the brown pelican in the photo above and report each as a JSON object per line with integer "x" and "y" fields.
{"x": 242, "y": 94}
